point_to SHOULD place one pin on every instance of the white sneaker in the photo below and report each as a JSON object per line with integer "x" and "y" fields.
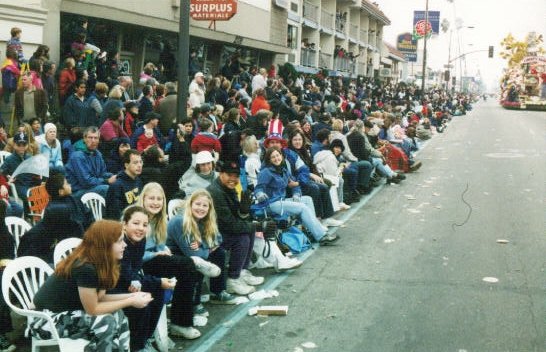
{"x": 189, "y": 333}
{"x": 285, "y": 263}
{"x": 250, "y": 279}
{"x": 343, "y": 206}
{"x": 332, "y": 222}
{"x": 238, "y": 287}
{"x": 205, "y": 267}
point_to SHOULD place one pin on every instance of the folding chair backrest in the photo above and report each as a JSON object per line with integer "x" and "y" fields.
{"x": 17, "y": 227}
{"x": 95, "y": 202}
{"x": 174, "y": 207}
{"x": 38, "y": 198}
{"x": 22, "y": 278}
{"x": 64, "y": 248}
{"x": 3, "y": 156}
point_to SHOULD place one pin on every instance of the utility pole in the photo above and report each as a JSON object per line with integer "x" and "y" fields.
{"x": 183, "y": 59}
{"x": 425, "y": 51}
{"x": 449, "y": 59}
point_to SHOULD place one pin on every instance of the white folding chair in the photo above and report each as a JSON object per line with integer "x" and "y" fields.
{"x": 3, "y": 156}
{"x": 174, "y": 207}
{"x": 17, "y": 227}
{"x": 22, "y": 278}
{"x": 95, "y": 202}
{"x": 64, "y": 248}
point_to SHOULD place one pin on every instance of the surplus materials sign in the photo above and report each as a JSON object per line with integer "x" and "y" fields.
{"x": 213, "y": 10}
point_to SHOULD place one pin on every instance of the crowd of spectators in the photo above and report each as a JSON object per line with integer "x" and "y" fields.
{"x": 308, "y": 147}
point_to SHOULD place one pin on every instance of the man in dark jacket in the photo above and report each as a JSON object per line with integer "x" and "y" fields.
{"x": 86, "y": 170}
{"x": 236, "y": 226}
{"x": 30, "y": 102}
{"x": 127, "y": 187}
{"x": 167, "y": 109}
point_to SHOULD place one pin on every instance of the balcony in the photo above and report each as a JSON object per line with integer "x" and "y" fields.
{"x": 341, "y": 25}
{"x": 327, "y": 20}
{"x": 308, "y": 57}
{"x": 310, "y": 11}
{"x": 325, "y": 60}
{"x": 341, "y": 64}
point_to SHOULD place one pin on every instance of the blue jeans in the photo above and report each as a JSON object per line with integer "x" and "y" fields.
{"x": 303, "y": 211}
{"x": 365, "y": 170}
{"x": 383, "y": 170}
{"x": 320, "y": 193}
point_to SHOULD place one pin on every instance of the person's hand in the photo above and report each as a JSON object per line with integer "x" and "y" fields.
{"x": 112, "y": 179}
{"x": 316, "y": 178}
{"x": 167, "y": 284}
{"x": 166, "y": 252}
{"x": 246, "y": 202}
{"x": 133, "y": 289}
{"x": 194, "y": 245}
{"x": 141, "y": 299}
{"x": 293, "y": 184}
{"x": 3, "y": 191}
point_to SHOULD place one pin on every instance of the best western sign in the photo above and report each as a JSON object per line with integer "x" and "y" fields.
{"x": 213, "y": 10}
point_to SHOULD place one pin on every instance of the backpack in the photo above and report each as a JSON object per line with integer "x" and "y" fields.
{"x": 295, "y": 240}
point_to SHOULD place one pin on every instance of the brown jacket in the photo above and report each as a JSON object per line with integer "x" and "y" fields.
{"x": 40, "y": 104}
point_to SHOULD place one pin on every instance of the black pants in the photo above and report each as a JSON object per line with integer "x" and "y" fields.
{"x": 320, "y": 193}
{"x": 143, "y": 321}
{"x": 217, "y": 284}
{"x": 183, "y": 269}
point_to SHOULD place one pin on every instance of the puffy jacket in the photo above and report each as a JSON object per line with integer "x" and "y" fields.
{"x": 274, "y": 183}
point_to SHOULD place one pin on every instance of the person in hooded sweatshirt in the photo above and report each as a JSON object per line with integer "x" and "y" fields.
{"x": 126, "y": 189}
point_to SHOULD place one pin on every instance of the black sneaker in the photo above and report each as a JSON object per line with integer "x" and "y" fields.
{"x": 223, "y": 298}
{"x": 393, "y": 180}
{"x": 400, "y": 176}
{"x": 5, "y": 345}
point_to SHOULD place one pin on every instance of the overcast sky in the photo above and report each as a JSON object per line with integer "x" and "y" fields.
{"x": 492, "y": 21}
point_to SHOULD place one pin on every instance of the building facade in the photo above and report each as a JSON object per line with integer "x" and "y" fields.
{"x": 342, "y": 36}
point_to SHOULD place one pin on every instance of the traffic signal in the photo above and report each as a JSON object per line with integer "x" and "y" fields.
{"x": 491, "y": 48}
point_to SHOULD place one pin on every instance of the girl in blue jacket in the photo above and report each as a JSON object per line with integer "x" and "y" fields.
{"x": 273, "y": 181}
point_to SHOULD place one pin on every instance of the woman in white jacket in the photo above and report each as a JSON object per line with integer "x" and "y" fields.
{"x": 330, "y": 168}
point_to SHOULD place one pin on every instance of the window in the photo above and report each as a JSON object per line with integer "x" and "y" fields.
{"x": 294, "y": 7}
{"x": 292, "y": 37}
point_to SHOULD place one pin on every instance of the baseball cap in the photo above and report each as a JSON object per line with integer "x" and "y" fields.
{"x": 229, "y": 167}
{"x": 20, "y": 138}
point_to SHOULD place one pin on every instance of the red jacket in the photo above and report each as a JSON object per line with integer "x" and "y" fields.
{"x": 259, "y": 103}
{"x": 66, "y": 79}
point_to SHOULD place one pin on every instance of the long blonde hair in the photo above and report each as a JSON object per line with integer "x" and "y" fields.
{"x": 158, "y": 222}
{"x": 190, "y": 228}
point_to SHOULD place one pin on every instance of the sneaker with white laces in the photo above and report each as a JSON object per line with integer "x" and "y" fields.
{"x": 250, "y": 279}
{"x": 222, "y": 298}
{"x": 187, "y": 332}
{"x": 239, "y": 287}
{"x": 205, "y": 267}
{"x": 343, "y": 206}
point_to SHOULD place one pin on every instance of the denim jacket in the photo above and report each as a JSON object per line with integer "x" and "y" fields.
{"x": 274, "y": 184}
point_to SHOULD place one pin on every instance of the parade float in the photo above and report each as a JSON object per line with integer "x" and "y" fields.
{"x": 523, "y": 85}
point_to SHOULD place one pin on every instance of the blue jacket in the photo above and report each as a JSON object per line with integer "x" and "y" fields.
{"x": 274, "y": 183}
{"x": 297, "y": 166}
{"x": 9, "y": 166}
{"x": 152, "y": 247}
{"x": 121, "y": 194}
{"x": 79, "y": 113}
{"x": 86, "y": 170}
{"x": 179, "y": 243}
{"x": 54, "y": 153}
{"x": 316, "y": 147}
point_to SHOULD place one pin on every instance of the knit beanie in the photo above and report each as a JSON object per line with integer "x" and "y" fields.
{"x": 49, "y": 126}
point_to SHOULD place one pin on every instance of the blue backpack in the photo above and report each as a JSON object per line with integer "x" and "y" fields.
{"x": 295, "y": 239}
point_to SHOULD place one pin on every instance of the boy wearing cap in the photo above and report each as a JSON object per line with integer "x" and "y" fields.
{"x": 236, "y": 227}
{"x": 23, "y": 181}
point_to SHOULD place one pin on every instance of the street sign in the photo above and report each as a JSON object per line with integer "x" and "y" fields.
{"x": 212, "y": 10}
{"x": 448, "y": 66}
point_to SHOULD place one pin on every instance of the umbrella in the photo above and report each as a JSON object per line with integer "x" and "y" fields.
{"x": 38, "y": 165}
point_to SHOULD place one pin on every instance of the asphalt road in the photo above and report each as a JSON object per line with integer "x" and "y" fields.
{"x": 408, "y": 272}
